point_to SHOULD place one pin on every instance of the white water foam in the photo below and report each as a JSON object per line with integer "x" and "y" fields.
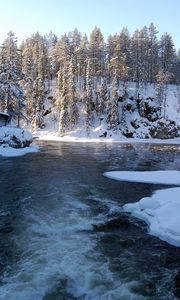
{"x": 56, "y": 246}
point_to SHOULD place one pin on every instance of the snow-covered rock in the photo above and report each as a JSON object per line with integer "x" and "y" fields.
{"x": 143, "y": 120}
{"x": 15, "y": 137}
{"x": 164, "y": 129}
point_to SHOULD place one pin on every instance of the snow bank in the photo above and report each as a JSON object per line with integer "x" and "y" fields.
{"x": 161, "y": 211}
{"x": 81, "y": 136}
{"x": 10, "y": 152}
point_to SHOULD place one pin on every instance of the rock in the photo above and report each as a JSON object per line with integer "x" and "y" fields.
{"x": 164, "y": 129}
{"x": 48, "y": 111}
{"x": 135, "y": 124}
{"x": 7, "y": 229}
{"x": 143, "y": 120}
{"x": 177, "y": 285}
{"x": 128, "y": 134}
{"x": 104, "y": 134}
{"x": 122, "y": 222}
{"x": 149, "y": 109}
{"x": 129, "y": 105}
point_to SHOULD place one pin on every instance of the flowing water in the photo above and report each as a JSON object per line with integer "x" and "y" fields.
{"x": 63, "y": 234}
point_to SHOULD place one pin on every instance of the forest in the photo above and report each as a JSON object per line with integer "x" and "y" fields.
{"x": 89, "y": 76}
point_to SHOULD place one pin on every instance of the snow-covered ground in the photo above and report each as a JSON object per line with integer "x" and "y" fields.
{"x": 81, "y": 136}
{"x": 161, "y": 211}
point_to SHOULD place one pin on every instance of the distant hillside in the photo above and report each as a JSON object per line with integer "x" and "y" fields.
{"x": 138, "y": 112}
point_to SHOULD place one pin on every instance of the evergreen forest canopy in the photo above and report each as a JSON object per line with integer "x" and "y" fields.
{"x": 87, "y": 72}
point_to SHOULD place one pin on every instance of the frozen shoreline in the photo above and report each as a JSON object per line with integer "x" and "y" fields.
{"x": 161, "y": 211}
{"x": 13, "y": 152}
{"x": 54, "y": 136}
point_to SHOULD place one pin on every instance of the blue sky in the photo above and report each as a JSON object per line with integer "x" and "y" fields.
{"x": 25, "y": 17}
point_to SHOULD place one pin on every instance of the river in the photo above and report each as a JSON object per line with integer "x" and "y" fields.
{"x": 63, "y": 234}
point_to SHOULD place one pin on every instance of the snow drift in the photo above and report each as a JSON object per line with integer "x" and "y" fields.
{"x": 161, "y": 211}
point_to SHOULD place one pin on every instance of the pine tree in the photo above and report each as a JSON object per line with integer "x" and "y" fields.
{"x": 51, "y": 40}
{"x": 113, "y": 112}
{"x": 163, "y": 77}
{"x": 62, "y": 101}
{"x": 97, "y": 53}
{"x": 35, "y": 68}
{"x": 82, "y": 57}
{"x": 110, "y": 46}
{"x": 152, "y": 53}
{"x": 62, "y": 52}
{"x": 11, "y": 93}
{"x": 176, "y": 68}
{"x": 73, "y": 109}
{"x": 75, "y": 39}
{"x": 88, "y": 101}
{"x": 38, "y": 95}
{"x": 139, "y": 56}
{"x": 166, "y": 53}
{"x": 30, "y": 100}
{"x": 102, "y": 98}
{"x": 119, "y": 58}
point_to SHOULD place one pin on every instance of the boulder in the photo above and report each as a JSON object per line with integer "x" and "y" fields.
{"x": 164, "y": 129}
{"x": 149, "y": 109}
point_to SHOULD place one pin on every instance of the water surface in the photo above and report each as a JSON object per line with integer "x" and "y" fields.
{"x": 63, "y": 234}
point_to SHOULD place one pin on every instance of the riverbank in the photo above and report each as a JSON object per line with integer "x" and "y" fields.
{"x": 81, "y": 137}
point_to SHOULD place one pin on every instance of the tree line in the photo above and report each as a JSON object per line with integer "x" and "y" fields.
{"x": 87, "y": 72}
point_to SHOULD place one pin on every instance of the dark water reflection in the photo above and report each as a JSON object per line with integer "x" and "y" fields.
{"x": 60, "y": 191}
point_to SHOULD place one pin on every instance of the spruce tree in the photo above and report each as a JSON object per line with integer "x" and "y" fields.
{"x": 63, "y": 101}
